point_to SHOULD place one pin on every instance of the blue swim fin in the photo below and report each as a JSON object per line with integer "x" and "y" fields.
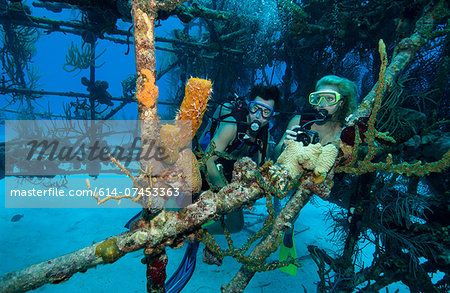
{"x": 134, "y": 218}
{"x": 184, "y": 272}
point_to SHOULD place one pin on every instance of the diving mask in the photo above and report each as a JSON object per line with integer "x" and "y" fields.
{"x": 254, "y": 107}
{"x": 330, "y": 97}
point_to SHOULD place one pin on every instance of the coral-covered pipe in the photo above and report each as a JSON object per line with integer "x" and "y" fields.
{"x": 144, "y": 47}
{"x": 147, "y": 95}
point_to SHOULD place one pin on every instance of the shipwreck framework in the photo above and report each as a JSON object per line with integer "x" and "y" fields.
{"x": 170, "y": 229}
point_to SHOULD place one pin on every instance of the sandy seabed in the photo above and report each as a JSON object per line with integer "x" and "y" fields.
{"x": 43, "y": 234}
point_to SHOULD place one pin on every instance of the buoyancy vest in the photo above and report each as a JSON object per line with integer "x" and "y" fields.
{"x": 259, "y": 144}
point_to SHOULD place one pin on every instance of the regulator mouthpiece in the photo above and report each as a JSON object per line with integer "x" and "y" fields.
{"x": 255, "y": 126}
{"x": 322, "y": 114}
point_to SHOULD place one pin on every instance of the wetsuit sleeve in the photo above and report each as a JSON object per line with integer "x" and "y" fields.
{"x": 222, "y": 138}
{"x": 279, "y": 148}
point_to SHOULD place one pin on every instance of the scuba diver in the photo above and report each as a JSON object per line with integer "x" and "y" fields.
{"x": 240, "y": 129}
{"x": 335, "y": 95}
{"x": 334, "y": 99}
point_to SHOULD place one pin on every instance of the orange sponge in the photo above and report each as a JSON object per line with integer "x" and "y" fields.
{"x": 148, "y": 92}
{"x": 196, "y": 96}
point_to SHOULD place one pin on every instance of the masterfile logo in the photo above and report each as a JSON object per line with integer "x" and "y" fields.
{"x": 54, "y": 163}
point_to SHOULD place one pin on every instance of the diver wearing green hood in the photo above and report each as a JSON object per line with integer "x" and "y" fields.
{"x": 334, "y": 98}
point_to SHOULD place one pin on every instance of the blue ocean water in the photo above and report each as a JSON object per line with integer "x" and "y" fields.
{"x": 42, "y": 234}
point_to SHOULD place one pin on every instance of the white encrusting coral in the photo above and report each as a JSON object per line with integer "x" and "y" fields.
{"x": 314, "y": 157}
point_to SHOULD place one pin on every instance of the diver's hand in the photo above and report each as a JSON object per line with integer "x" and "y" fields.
{"x": 291, "y": 134}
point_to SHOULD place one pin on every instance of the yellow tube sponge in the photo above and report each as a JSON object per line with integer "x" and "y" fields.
{"x": 188, "y": 165}
{"x": 196, "y": 97}
{"x": 147, "y": 92}
{"x": 169, "y": 140}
